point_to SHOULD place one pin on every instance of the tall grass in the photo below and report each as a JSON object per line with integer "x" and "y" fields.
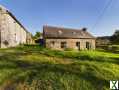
{"x": 39, "y": 68}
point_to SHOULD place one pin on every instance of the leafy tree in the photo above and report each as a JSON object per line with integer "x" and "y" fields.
{"x": 115, "y": 37}
{"x": 37, "y": 35}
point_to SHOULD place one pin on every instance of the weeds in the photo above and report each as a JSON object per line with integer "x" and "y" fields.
{"x": 44, "y": 69}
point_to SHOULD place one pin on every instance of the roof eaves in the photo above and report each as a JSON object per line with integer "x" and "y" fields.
{"x": 16, "y": 20}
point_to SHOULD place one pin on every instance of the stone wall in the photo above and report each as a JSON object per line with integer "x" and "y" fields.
{"x": 11, "y": 32}
{"x": 30, "y": 39}
{"x": 71, "y": 43}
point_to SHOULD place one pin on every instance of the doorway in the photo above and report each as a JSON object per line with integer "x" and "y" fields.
{"x": 88, "y": 45}
{"x": 78, "y": 45}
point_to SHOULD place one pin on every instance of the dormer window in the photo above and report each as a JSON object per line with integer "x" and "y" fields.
{"x": 60, "y": 32}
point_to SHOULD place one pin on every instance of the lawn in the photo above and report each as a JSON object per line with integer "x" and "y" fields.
{"x": 37, "y": 68}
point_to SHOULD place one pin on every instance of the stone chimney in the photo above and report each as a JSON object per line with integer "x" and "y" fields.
{"x": 84, "y": 29}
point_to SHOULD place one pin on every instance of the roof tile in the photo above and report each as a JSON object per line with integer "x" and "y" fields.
{"x": 58, "y": 32}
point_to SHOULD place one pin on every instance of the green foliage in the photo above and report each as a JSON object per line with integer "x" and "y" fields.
{"x": 70, "y": 49}
{"x": 34, "y": 67}
{"x": 115, "y": 37}
{"x": 37, "y": 35}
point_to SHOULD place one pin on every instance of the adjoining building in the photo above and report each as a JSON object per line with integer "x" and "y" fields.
{"x": 12, "y": 32}
{"x": 63, "y": 38}
{"x": 104, "y": 40}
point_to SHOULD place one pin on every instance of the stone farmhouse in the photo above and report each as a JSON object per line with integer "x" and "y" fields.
{"x": 12, "y": 32}
{"x": 64, "y": 38}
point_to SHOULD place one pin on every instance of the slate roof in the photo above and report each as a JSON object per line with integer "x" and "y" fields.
{"x": 65, "y": 33}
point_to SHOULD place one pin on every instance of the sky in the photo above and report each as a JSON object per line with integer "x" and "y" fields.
{"x": 33, "y": 14}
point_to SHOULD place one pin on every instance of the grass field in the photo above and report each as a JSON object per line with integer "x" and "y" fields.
{"x": 38, "y": 68}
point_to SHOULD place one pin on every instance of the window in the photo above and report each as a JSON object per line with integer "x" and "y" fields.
{"x": 63, "y": 44}
{"x": 78, "y": 45}
{"x": 88, "y": 45}
{"x": 60, "y": 32}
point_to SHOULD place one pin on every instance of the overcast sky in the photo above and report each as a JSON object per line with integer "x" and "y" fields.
{"x": 33, "y": 14}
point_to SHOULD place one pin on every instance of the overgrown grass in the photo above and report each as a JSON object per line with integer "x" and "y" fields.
{"x": 45, "y": 69}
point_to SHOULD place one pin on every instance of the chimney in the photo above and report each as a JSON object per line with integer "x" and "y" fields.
{"x": 84, "y": 29}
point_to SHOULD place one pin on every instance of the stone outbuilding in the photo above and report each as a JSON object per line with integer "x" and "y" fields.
{"x": 12, "y": 32}
{"x": 64, "y": 38}
{"x": 105, "y": 40}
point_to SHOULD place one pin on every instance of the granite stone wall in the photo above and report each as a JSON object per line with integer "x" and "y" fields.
{"x": 70, "y": 43}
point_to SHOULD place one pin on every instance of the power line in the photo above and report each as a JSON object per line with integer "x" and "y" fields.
{"x": 102, "y": 13}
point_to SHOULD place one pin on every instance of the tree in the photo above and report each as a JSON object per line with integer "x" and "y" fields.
{"x": 115, "y": 37}
{"x": 37, "y": 35}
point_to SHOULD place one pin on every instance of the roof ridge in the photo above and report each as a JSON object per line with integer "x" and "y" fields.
{"x": 62, "y": 28}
